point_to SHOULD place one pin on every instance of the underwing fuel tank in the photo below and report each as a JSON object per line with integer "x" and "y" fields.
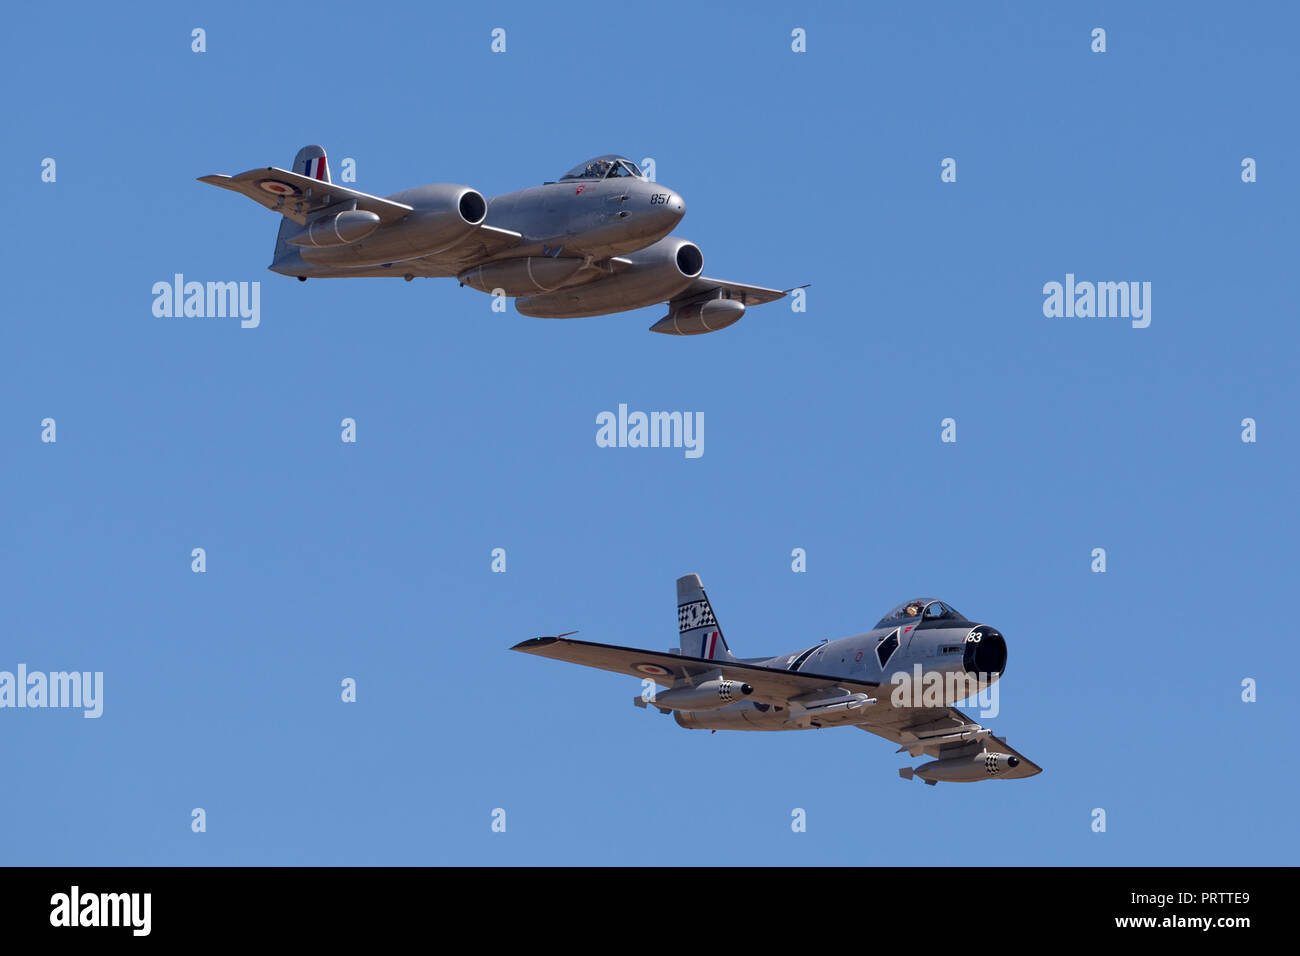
{"x": 707, "y": 695}
{"x": 336, "y": 230}
{"x": 985, "y": 765}
{"x": 525, "y": 276}
{"x": 700, "y": 317}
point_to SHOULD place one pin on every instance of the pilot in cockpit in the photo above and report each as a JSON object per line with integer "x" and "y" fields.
{"x": 606, "y": 167}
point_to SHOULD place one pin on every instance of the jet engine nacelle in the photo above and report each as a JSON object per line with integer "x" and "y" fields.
{"x": 653, "y": 274}
{"x": 343, "y": 227}
{"x": 700, "y": 317}
{"x": 709, "y": 695}
{"x": 527, "y": 275}
{"x": 443, "y": 215}
{"x": 981, "y": 766}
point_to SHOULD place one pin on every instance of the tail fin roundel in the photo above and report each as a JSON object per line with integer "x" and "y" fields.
{"x": 697, "y": 625}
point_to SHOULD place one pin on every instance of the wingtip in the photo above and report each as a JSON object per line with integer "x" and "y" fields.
{"x": 533, "y": 643}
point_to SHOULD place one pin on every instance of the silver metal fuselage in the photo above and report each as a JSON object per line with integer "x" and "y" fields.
{"x": 955, "y": 659}
{"x": 595, "y": 220}
{"x": 581, "y": 220}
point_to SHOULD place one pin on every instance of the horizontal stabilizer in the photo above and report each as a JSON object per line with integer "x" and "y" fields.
{"x": 299, "y": 197}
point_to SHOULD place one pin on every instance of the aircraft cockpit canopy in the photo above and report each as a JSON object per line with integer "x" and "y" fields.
{"x": 927, "y": 609}
{"x": 605, "y": 167}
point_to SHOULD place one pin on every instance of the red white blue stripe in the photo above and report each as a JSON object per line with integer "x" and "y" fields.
{"x": 315, "y": 168}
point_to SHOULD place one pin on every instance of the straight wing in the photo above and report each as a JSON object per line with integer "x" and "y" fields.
{"x": 483, "y": 243}
{"x": 298, "y": 196}
{"x": 768, "y": 683}
{"x": 705, "y": 288}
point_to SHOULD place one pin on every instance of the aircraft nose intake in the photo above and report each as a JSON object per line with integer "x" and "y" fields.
{"x": 985, "y": 651}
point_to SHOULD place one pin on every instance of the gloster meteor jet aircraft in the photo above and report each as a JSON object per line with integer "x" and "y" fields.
{"x": 593, "y": 242}
{"x": 899, "y": 680}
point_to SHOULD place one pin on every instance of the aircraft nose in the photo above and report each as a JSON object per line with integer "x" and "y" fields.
{"x": 985, "y": 651}
{"x": 666, "y": 206}
{"x": 656, "y": 212}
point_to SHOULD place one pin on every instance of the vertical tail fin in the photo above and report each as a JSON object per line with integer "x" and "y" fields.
{"x": 700, "y": 635}
{"x": 310, "y": 161}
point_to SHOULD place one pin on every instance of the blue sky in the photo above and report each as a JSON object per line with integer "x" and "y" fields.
{"x": 476, "y": 430}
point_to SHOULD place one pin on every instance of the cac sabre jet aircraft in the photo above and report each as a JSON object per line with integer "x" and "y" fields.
{"x": 594, "y": 242}
{"x": 831, "y": 684}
